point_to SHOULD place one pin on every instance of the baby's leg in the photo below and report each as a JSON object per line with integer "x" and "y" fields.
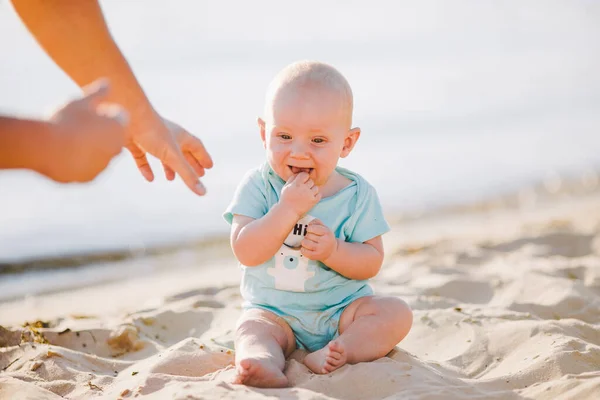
{"x": 262, "y": 342}
{"x": 369, "y": 328}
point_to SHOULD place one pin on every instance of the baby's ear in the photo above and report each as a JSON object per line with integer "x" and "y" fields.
{"x": 262, "y": 127}
{"x": 350, "y": 141}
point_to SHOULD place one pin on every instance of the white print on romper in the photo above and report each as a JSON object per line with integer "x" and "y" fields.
{"x": 291, "y": 268}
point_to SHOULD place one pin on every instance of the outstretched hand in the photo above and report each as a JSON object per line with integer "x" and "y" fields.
{"x": 180, "y": 152}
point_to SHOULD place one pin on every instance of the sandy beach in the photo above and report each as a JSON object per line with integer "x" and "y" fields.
{"x": 506, "y": 297}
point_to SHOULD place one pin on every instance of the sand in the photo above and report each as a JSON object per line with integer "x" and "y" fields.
{"x": 506, "y": 299}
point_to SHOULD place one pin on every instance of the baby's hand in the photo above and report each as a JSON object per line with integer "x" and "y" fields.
{"x": 319, "y": 243}
{"x": 300, "y": 194}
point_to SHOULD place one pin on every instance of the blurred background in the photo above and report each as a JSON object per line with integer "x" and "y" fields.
{"x": 458, "y": 101}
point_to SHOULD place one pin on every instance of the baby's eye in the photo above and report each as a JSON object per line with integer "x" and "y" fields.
{"x": 285, "y": 136}
{"x": 318, "y": 140}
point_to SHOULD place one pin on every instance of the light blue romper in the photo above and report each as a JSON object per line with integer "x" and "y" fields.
{"x": 307, "y": 294}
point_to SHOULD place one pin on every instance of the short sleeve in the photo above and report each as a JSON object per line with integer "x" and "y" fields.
{"x": 369, "y": 219}
{"x": 249, "y": 198}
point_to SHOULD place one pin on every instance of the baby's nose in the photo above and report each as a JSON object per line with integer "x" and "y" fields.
{"x": 300, "y": 150}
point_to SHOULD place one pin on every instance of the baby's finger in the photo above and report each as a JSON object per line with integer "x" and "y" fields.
{"x": 318, "y": 230}
{"x": 309, "y": 244}
{"x": 290, "y": 179}
{"x": 302, "y": 177}
{"x": 310, "y": 254}
{"x": 315, "y": 190}
{"x": 313, "y": 237}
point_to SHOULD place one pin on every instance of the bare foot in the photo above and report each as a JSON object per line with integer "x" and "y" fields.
{"x": 328, "y": 359}
{"x": 259, "y": 373}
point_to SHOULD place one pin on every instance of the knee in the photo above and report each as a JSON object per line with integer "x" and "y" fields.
{"x": 400, "y": 316}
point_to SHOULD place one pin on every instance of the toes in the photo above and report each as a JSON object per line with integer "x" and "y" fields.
{"x": 240, "y": 377}
{"x": 245, "y": 364}
{"x": 327, "y": 368}
{"x": 332, "y": 361}
{"x": 335, "y": 346}
{"x": 259, "y": 373}
{"x": 243, "y": 371}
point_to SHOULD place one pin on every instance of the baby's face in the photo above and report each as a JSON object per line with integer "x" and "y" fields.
{"x": 307, "y": 131}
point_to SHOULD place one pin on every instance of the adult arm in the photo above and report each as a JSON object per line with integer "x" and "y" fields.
{"x": 75, "y": 36}
{"x": 74, "y": 145}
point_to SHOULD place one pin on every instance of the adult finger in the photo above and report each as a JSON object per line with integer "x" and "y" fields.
{"x": 177, "y": 162}
{"x": 169, "y": 173}
{"x": 194, "y": 163}
{"x": 193, "y": 145}
{"x": 141, "y": 161}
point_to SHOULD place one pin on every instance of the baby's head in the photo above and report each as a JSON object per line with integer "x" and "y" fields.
{"x": 307, "y": 121}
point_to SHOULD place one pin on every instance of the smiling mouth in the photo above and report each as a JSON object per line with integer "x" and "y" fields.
{"x": 297, "y": 170}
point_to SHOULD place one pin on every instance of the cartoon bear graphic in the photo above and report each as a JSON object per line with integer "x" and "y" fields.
{"x": 291, "y": 270}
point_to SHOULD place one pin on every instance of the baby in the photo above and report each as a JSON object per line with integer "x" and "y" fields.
{"x": 307, "y": 234}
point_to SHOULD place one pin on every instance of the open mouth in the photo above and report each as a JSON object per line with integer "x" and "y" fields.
{"x": 297, "y": 170}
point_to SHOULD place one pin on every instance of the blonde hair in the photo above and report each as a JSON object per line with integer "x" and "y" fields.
{"x": 311, "y": 74}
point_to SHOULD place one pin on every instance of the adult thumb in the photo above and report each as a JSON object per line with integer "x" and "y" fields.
{"x": 114, "y": 112}
{"x": 96, "y": 92}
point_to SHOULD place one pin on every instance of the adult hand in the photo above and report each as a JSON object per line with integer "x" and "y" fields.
{"x": 300, "y": 194}
{"x": 84, "y": 136}
{"x": 76, "y": 37}
{"x": 319, "y": 243}
{"x": 180, "y": 152}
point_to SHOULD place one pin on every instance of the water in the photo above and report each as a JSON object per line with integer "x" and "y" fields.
{"x": 457, "y": 101}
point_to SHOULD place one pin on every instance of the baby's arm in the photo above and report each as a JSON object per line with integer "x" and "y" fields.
{"x": 357, "y": 260}
{"x": 352, "y": 260}
{"x": 254, "y": 241}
